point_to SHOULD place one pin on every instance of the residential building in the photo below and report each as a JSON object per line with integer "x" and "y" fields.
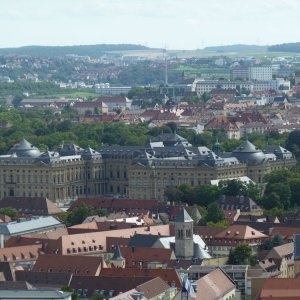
{"x": 237, "y": 273}
{"x": 77, "y": 265}
{"x": 239, "y": 73}
{"x": 206, "y": 86}
{"x": 24, "y": 226}
{"x": 216, "y": 285}
{"x": 245, "y": 205}
{"x": 38, "y": 206}
{"x": 107, "y": 89}
{"x": 260, "y": 73}
{"x": 114, "y": 103}
{"x": 222, "y": 242}
{"x": 88, "y": 108}
{"x": 280, "y": 288}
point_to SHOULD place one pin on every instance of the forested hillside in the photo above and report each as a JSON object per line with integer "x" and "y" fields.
{"x": 58, "y": 51}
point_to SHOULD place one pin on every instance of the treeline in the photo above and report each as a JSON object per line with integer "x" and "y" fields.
{"x": 281, "y": 193}
{"x": 287, "y": 47}
{"x": 48, "y": 130}
{"x": 37, "y": 88}
{"x": 82, "y": 50}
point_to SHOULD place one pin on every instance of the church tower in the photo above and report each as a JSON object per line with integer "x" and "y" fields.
{"x": 184, "y": 243}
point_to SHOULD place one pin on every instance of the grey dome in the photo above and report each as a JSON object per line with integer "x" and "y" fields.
{"x": 25, "y": 149}
{"x": 249, "y": 153}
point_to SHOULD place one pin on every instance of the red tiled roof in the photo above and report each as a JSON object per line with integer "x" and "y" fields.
{"x": 153, "y": 287}
{"x": 115, "y": 204}
{"x": 31, "y": 205}
{"x": 90, "y": 104}
{"x": 115, "y": 285}
{"x": 78, "y": 265}
{"x": 168, "y": 275}
{"x": 133, "y": 256}
{"x": 21, "y": 253}
{"x": 280, "y": 289}
{"x": 214, "y": 285}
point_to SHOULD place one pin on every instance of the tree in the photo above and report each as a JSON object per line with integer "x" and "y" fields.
{"x": 233, "y": 187}
{"x": 97, "y": 296}
{"x": 172, "y": 125}
{"x": 17, "y": 100}
{"x": 282, "y": 190}
{"x": 214, "y": 213}
{"x": 68, "y": 289}
{"x": 269, "y": 244}
{"x": 253, "y": 191}
{"x": 294, "y": 184}
{"x": 9, "y": 211}
{"x": 79, "y": 214}
{"x": 241, "y": 255}
{"x": 173, "y": 194}
{"x": 187, "y": 194}
{"x": 277, "y": 240}
{"x": 205, "y": 97}
{"x": 293, "y": 142}
{"x": 206, "y": 194}
{"x": 271, "y": 201}
{"x": 102, "y": 212}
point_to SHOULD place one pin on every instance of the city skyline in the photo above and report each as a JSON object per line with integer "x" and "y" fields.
{"x": 171, "y": 24}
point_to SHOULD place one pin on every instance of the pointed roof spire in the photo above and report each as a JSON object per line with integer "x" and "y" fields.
{"x": 183, "y": 217}
{"x": 117, "y": 254}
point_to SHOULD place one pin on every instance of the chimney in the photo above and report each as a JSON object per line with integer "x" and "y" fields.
{"x": 132, "y": 249}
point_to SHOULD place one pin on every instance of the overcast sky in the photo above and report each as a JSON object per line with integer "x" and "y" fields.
{"x": 174, "y": 24}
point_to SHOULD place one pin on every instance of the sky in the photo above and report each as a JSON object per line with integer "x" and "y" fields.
{"x": 170, "y": 24}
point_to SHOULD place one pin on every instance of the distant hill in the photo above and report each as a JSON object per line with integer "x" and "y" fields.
{"x": 288, "y": 47}
{"x": 58, "y": 51}
{"x": 236, "y": 48}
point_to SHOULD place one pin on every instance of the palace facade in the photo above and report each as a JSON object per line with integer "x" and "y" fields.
{"x": 129, "y": 171}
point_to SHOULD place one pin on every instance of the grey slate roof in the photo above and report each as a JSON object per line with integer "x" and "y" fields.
{"x": 249, "y": 153}
{"x": 25, "y": 149}
{"x": 14, "y": 228}
{"x": 33, "y": 294}
{"x": 143, "y": 240}
{"x": 117, "y": 254}
{"x": 183, "y": 217}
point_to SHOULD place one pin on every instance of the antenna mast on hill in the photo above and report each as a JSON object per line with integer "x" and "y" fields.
{"x": 166, "y": 67}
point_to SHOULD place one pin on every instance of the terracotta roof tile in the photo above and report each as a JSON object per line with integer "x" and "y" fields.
{"x": 153, "y": 287}
{"x": 21, "y": 253}
{"x": 83, "y": 265}
{"x": 168, "y": 275}
{"x": 31, "y": 205}
{"x": 44, "y": 279}
{"x": 279, "y": 289}
{"x": 106, "y": 284}
{"x": 135, "y": 255}
{"x": 214, "y": 285}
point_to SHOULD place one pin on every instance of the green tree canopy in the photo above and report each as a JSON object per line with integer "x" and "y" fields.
{"x": 241, "y": 255}
{"x": 214, "y": 213}
{"x": 206, "y": 194}
{"x": 9, "y": 211}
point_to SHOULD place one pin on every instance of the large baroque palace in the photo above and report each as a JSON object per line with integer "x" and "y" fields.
{"x": 134, "y": 172}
